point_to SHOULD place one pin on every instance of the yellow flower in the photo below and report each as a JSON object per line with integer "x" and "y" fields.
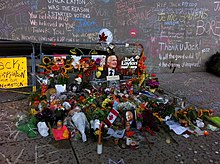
{"x": 98, "y": 74}
{"x": 157, "y": 116}
{"x": 96, "y": 132}
{"x": 100, "y": 68}
{"x": 152, "y": 90}
{"x": 105, "y": 102}
{"x": 142, "y": 77}
{"x": 93, "y": 105}
{"x": 139, "y": 110}
{"x": 33, "y": 111}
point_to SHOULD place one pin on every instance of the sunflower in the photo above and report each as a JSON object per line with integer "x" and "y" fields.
{"x": 73, "y": 51}
{"x": 46, "y": 60}
{"x": 42, "y": 66}
{"x": 68, "y": 67}
{"x": 48, "y": 71}
{"x": 63, "y": 70}
{"x": 70, "y": 61}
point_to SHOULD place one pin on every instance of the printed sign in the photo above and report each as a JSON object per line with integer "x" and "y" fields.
{"x": 13, "y": 72}
{"x": 129, "y": 62}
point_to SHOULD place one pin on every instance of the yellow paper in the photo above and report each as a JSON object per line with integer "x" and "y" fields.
{"x": 13, "y": 72}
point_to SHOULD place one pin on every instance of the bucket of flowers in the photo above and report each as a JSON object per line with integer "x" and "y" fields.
{"x": 153, "y": 83}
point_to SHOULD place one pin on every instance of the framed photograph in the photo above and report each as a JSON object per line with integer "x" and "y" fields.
{"x": 98, "y": 84}
{"x": 113, "y": 84}
{"x": 130, "y": 119}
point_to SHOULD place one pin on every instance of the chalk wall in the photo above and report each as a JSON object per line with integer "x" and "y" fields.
{"x": 174, "y": 33}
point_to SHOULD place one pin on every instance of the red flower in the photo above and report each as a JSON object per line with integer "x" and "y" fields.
{"x": 94, "y": 67}
{"x": 153, "y": 75}
{"x": 84, "y": 59}
{"x": 80, "y": 76}
{"x": 111, "y": 102}
{"x": 87, "y": 73}
{"x": 144, "y": 58}
{"x": 55, "y": 68}
{"x": 81, "y": 98}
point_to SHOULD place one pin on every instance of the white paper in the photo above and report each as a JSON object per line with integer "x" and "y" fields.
{"x": 116, "y": 133}
{"x": 176, "y": 127}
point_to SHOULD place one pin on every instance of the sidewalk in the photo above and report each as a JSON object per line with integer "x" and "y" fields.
{"x": 200, "y": 88}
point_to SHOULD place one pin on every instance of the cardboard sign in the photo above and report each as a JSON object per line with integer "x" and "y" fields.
{"x": 13, "y": 72}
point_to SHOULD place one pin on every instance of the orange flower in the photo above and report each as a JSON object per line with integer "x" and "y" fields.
{"x": 142, "y": 66}
{"x": 142, "y": 106}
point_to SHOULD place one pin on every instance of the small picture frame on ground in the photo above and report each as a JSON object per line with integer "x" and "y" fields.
{"x": 113, "y": 81}
{"x": 113, "y": 84}
{"x": 130, "y": 119}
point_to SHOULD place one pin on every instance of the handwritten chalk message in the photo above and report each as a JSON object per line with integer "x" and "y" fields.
{"x": 13, "y": 72}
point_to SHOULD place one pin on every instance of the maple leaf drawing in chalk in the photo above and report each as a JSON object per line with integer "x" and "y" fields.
{"x": 111, "y": 117}
{"x": 103, "y": 37}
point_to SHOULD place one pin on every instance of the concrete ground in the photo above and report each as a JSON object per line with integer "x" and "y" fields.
{"x": 201, "y": 89}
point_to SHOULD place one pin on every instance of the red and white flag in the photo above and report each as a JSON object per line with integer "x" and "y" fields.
{"x": 111, "y": 117}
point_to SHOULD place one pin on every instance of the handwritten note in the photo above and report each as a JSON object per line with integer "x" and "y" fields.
{"x": 13, "y": 72}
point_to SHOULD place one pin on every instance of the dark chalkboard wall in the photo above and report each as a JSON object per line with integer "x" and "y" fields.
{"x": 174, "y": 33}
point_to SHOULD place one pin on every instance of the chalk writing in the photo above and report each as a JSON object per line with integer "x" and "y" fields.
{"x": 16, "y": 159}
{"x": 208, "y": 27}
{"x": 85, "y": 26}
{"x": 181, "y": 31}
{"x": 179, "y": 47}
{"x": 217, "y": 6}
{"x": 40, "y": 154}
{"x": 179, "y": 65}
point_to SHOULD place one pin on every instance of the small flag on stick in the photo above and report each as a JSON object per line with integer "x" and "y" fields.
{"x": 111, "y": 117}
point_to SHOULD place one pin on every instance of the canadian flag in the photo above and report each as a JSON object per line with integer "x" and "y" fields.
{"x": 111, "y": 117}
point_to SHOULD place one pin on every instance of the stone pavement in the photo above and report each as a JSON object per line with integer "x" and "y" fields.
{"x": 200, "y": 89}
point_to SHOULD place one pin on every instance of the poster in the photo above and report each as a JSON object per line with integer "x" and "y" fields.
{"x": 122, "y": 66}
{"x": 13, "y": 72}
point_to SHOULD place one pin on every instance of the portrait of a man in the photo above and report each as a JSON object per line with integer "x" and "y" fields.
{"x": 111, "y": 69}
{"x": 130, "y": 117}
